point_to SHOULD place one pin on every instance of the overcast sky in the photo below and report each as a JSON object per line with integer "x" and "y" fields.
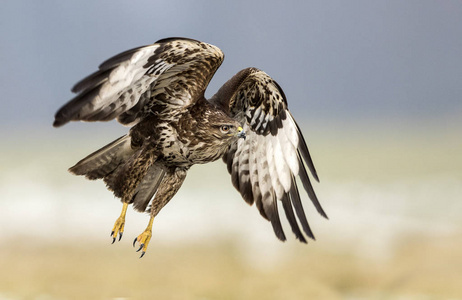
{"x": 335, "y": 60}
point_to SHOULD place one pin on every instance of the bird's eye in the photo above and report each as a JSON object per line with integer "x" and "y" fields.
{"x": 225, "y": 128}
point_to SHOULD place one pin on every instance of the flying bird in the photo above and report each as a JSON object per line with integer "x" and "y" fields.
{"x": 158, "y": 90}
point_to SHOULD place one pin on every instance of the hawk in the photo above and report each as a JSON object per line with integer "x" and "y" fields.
{"x": 158, "y": 90}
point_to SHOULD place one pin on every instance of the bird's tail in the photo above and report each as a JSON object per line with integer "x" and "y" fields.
{"x": 116, "y": 163}
{"x": 105, "y": 160}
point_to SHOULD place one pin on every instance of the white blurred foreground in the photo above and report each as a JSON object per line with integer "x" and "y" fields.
{"x": 374, "y": 199}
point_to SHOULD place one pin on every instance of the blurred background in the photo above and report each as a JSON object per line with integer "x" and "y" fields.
{"x": 376, "y": 87}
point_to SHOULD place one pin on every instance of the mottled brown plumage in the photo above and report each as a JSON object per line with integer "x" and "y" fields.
{"x": 159, "y": 91}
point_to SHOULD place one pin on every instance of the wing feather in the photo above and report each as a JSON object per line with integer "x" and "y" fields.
{"x": 275, "y": 221}
{"x": 253, "y": 172}
{"x": 264, "y": 179}
{"x": 276, "y": 184}
{"x": 282, "y": 167}
{"x": 309, "y": 189}
{"x": 303, "y": 148}
{"x": 297, "y": 203}
{"x": 273, "y": 154}
{"x": 172, "y": 72}
{"x": 245, "y": 187}
{"x": 291, "y": 218}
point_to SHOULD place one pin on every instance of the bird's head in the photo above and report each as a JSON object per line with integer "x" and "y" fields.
{"x": 228, "y": 130}
{"x": 232, "y": 130}
{"x": 222, "y": 127}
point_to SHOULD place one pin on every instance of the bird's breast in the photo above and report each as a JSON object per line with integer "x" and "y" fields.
{"x": 178, "y": 153}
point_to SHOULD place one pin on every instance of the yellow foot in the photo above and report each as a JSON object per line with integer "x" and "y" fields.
{"x": 118, "y": 229}
{"x": 119, "y": 224}
{"x": 144, "y": 238}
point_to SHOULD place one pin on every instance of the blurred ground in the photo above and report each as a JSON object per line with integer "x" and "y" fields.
{"x": 419, "y": 269}
{"x": 395, "y": 232}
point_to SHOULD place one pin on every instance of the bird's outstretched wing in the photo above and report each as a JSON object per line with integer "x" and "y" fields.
{"x": 265, "y": 165}
{"x": 172, "y": 72}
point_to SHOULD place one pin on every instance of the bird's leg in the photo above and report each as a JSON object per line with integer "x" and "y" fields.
{"x": 144, "y": 238}
{"x": 139, "y": 165}
{"x": 119, "y": 224}
{"x": 170, "y": 185}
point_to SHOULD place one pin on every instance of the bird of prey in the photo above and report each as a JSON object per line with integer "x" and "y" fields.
{"x": 158, "y": 90}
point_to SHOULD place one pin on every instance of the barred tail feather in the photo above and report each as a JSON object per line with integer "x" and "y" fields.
{"x": 105, "y": 160}
{"x": 148, "y": 186}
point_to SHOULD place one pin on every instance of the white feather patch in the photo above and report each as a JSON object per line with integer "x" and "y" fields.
{"x": 256, "y": 116}
{"x": 289, "y": 150}
{"x": 278, "y": 188}
{"x": 290, "y": 129}
{"x": 283, "y": 171}
{"x": 123, "y": 77}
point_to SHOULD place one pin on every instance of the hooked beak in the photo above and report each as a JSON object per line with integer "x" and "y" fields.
{"x": 240, "y": 132}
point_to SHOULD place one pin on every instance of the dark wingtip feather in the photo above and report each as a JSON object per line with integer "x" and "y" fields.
{"x": 72, "y": 109}
{"x": 277, "y": 228}
{"x": 315, "y": 176}
{"x": 297, "y": 203}
{"x": 75, "y": 169}
{"x": 275, "y": 221}
{"x": 58, "y": 123}
{"x": 309, "y": 189}
{"x": 303, "y": 150}
{"x": 63, "y": 115}
{"x": 291, "y": 218}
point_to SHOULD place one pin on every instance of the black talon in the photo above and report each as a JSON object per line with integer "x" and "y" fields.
{"x": 141, "y": 247}
{"x": 142, "y": 254}
{"x": 113, "y": 240}
{"x": 112, "y": 233}
{"x": 120, "y": 236}
{"x": 134, "y": 242}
